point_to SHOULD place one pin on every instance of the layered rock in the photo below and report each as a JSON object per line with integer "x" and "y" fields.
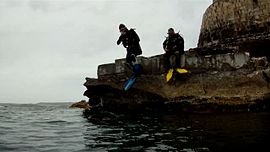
{"x": 239, "y": 24}
{"x": 215, "y": 81}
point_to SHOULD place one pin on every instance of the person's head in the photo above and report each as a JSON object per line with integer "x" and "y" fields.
{"x": 122, "y": 29}
{"x": 171, "y": 31}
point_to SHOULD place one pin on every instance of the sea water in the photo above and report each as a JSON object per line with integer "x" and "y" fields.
{"x": 53, "y": 127}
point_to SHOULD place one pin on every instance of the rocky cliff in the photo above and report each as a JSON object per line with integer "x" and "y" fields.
{"x": 219, "y": 82}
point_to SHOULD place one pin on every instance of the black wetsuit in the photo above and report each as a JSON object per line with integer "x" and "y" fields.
{"x": 175, "y": 46}
{"x": 131, "y": 42}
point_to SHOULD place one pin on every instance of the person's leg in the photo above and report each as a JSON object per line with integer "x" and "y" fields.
{"x": 133, "y": 58}
{"x": 133, "y": 53}
{"x": 167, "y": 63}
{"x": 129, "y": 59}
{"x": 177, "y": 59}
{"x": 182, "y": 60}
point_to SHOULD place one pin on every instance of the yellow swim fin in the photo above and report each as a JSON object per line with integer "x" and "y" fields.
{"x": 181, "y": 71}
{"x": 169, "y": 75}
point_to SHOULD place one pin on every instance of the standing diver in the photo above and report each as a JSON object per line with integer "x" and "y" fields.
{"x": 130, "y": 41}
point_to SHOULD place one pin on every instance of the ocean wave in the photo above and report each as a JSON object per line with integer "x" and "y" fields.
{"x": 56, "y": 121}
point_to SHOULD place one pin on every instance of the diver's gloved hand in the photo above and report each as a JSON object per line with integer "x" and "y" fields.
{"x": 118, "y": 41}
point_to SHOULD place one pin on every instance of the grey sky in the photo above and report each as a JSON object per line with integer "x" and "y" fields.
{"x": 48, "y": 47}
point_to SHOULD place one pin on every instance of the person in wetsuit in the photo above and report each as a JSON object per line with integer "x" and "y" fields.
{"x": 173, "y": 45}
{"x": 131, "y": 41}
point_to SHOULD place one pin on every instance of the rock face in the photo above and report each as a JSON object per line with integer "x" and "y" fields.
{"x": 221, "y": 80}
{"x": 229, "y": 70}
{"x": 237, "y": 24}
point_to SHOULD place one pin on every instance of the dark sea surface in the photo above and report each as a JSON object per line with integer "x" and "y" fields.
{"x": 53, "y": 127}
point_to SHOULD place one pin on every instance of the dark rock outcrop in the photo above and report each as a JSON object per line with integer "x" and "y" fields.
{"x": 81, "y": 104}
{"x": 216, "y": 83}
{"x": 117, "y": 100}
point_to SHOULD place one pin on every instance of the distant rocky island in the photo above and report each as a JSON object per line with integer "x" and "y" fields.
{"x": 229, "y": 69}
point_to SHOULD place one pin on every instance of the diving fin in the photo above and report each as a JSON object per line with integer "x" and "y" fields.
{"x": 130, "y": 82}
{"x": 169, "y": 75}
{"x": 181, "y": 71}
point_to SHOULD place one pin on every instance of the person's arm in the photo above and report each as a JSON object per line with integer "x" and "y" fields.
{"x": 119, "y": 40}
{"x": 165, "y": 45}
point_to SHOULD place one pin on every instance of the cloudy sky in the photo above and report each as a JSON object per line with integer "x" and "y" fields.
{"x": 48, "y": 47}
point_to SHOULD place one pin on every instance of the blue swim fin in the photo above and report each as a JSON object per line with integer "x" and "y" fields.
{"x": 130, "y": 82}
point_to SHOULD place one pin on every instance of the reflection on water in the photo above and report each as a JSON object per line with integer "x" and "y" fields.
{"x": 223, "y": 132}
{"x": 54, "y": 127}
